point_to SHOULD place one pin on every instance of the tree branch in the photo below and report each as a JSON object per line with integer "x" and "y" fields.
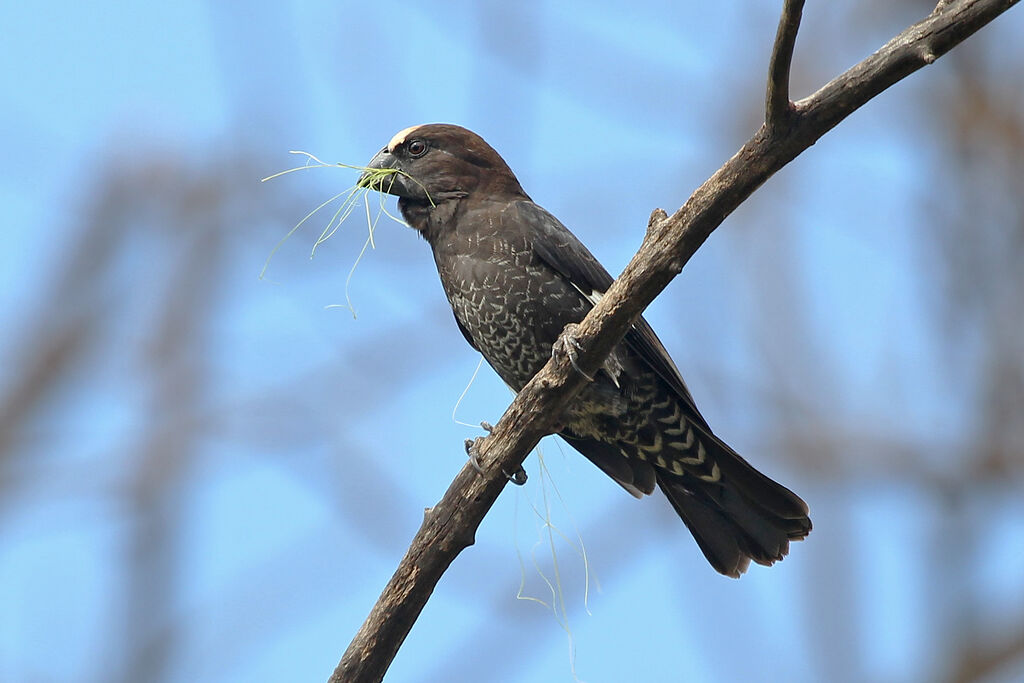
{"x": 450, "y": 526}
{"x": 777, "y": 103}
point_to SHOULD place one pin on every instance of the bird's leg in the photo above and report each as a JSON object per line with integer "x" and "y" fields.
{"x": 473, "y": 451}
{"x": 567, "y": 344}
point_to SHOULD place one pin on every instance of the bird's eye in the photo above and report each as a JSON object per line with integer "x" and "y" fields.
{"x": 417, "y": 148}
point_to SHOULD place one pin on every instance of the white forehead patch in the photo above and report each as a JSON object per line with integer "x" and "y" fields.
{"x": 400, "y": 137}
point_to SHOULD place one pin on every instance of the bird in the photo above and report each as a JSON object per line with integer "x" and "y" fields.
{"x": 515, "y": 277}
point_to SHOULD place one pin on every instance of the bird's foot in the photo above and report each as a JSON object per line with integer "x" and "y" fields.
{"x": 567, "y": 344}
{"x": 518, "y": 477}
{"x": 473, "y": 447}
{"x": 473, "y": 451}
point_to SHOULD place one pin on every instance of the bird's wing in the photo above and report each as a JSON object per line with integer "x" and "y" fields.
{"x": 565, "y": 254}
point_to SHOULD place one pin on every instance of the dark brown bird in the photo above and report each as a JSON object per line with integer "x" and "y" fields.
{"x": 515, "y": 277}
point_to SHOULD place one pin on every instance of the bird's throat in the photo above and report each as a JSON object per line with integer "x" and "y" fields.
{"x": 431, "y": 220}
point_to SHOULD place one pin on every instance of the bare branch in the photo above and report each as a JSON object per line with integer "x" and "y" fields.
{"x": 450, "y": 526}
{"x": 777, "y": 103}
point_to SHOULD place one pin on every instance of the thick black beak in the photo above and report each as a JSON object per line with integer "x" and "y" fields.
{"x": 398, "y": 183}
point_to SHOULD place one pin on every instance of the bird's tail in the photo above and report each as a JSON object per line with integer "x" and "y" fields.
{"x": 738, "y": 517}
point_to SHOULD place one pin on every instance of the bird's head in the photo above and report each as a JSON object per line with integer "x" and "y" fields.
{"x": 435, "y": 163}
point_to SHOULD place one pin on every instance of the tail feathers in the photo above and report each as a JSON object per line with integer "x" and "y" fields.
{"x": 762, "y": 491}
{"x": 632, "y": 474}
{"x": 718, "y": 537}
{"x": 742, "y": 516}
{"x": 731, "y": 529}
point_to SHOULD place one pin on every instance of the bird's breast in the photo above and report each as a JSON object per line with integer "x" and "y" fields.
{"x": 512, "y": 307}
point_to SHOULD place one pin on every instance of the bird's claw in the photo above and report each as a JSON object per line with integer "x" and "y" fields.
{"x": 473, "y": 451}
{"x": 567, "y": 344}
{"x": 473, "y": 447}
{"x": 518, "y": 477}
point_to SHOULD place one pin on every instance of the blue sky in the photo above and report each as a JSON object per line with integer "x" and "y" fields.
{"x": 604, "y": 112}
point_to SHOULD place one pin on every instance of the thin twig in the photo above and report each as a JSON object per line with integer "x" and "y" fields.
{"x": 450, "y": 526}
{"x": 777, "y": 103}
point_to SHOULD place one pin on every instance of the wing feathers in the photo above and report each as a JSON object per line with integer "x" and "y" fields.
{"x": 566, "y": 255}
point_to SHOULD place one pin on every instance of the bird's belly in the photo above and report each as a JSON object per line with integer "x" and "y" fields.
{"x": 514, "y": 319}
